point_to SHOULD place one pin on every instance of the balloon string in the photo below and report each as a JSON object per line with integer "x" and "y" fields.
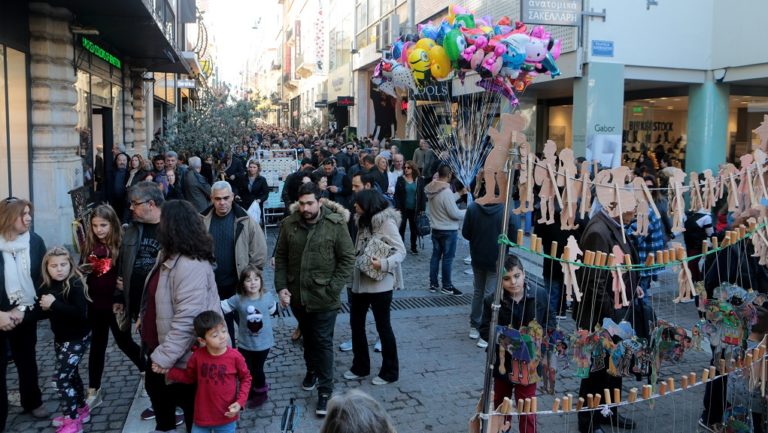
{"x": 632, "y": 267}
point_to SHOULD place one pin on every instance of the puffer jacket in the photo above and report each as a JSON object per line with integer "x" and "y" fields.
{"x": 314, "y": 265}
{"x": 186, "y": 288}
{"x": 385, "y": 227}
{"x": 250, "y": 245}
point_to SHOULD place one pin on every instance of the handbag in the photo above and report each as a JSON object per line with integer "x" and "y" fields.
{"x": 374, "y": 248}
{"x": 422, "y": 225}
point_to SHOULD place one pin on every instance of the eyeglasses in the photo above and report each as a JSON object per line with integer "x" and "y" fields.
{"x": 137, "y": 204}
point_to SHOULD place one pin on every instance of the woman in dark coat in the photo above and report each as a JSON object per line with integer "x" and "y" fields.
{"x": 410, "y": 200}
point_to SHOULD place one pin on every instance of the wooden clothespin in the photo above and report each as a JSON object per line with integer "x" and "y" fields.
{"x": 633, "y": 395}
{"x": 556, "y": 405}
{"x": 520, "y": 234}
{"x": 646, "y": 392}
{"x": 607, "y": 393}
{"x": 616, "y": 395}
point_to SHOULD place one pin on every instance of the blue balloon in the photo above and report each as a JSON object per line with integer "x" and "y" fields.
{"x": 444, "y": 29}
{"x": 397, "y": 49}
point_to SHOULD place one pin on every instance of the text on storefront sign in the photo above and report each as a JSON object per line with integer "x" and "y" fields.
{"x": 647, "y": 125}
{"x": 101, "y": 53}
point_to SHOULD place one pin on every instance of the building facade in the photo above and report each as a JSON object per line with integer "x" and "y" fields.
{"x": 81, "y": 81}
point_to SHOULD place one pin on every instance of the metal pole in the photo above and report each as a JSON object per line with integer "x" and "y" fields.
{"x": 487, "y": 404}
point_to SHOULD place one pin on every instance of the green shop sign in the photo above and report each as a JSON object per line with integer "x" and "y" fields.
{"x": 101, "y": 53}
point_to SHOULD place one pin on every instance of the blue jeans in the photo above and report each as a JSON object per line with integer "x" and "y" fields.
{"x": 645, "y": 284}
{"x": 443, "y": 249}
{"x": 485, "y": 285}
{"x": 226, "y": 428}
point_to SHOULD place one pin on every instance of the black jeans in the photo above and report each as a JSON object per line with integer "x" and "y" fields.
{"x": 595, "y": 384}
{"x": 101, "y": 322}
{"x": 317, "y": 329}
{"x": 409, "y": 217}
{"x": 22, "y": 341}
{"x": 255, "y": 360}
{"x": 380, "y": 304}
{"x": 715, "y": 396}
{"x": 166, "y": 397}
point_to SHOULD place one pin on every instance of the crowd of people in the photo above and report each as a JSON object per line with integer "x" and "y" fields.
{"x": 175, "y": 257}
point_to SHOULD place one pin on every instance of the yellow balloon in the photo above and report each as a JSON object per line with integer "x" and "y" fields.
{"x": 419, "y": 61}
{"x": 441, "y": 64}
{"x": 425, "y": 44}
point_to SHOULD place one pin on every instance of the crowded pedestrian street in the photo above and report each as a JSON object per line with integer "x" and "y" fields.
{"x": 383, "y": 216}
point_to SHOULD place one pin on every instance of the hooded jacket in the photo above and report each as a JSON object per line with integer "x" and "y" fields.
{"x": 385, "y": 227}
{"x": 482, "y": 227}
{"x": 444, "y": 214}
{"x": 315, "y": 262}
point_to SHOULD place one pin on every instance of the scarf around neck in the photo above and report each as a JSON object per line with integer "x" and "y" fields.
{"x": 18, "y": 270}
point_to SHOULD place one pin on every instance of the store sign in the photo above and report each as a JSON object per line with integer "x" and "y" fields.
{"x": 345, "y": 101}
{"x": 321, "y": 104}
{"x": 433, "y": 92}
{"x": 602, "y": 48}
{"x": 101, "y": 53}
{"x": 185, "y": 84}
{"x": 551, "y": 12}
{"x": 637, "y": 110}
{"x": 647, "y": 125}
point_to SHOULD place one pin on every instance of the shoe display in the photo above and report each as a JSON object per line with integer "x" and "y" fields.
{"x": 474, "y": 333}
{"x": 379, "y": 381}
{"x": 310, "y": 382}
{"x": 322, "y": 404}
{"x": 377, "y": 346}
{"x": 482, "y": 343}
{"x": 450, "y": 290}
{"x": 94, "y": 398}
{"x": 40, "y": 412}
{"x": 148, "y": 414}
{"x": 346, "y": 346}
{"x": 351, "y": 376}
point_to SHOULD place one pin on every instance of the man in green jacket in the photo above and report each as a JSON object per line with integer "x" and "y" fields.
{"x": 313, "y": 262}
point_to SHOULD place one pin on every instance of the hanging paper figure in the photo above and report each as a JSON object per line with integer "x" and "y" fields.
{"x": 685, "y": 287}
{"x": 522, "y": 347}
{"x": 566, "y": 174}
{"x": 571, "y": 254}
{"x": 676, "y": 200}
{"x": 762, "y": 132}
{"x": 622, "y": 330}
{"x": 493, "y": 169}
{"x": 582, "y": 342}
{"x": 643, "y": 207}
{"x": 543, "y": 176}
{"x": 709, "y": 190}
{"x": 760, "y": 158}
{"x": 695, "y": 192}
{"x": 746, "y": 191}
{"x": 601, "y": 349}
{"x": 619, "y": 288}
{"x": 727, "y": 178}
{"x": 525, "y": 188}
{"x": 613, "y": 194}
{"x": 585, "y": 188}
{"x": 697, "y": 336}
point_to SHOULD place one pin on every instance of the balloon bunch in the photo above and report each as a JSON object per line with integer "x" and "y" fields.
{"x": 505, "y": 54}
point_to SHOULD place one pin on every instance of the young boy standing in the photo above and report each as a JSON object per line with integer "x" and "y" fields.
{"x": 220, "y": 373}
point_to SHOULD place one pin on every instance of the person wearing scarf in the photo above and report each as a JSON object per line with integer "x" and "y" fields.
{"x": 20, "y": 275}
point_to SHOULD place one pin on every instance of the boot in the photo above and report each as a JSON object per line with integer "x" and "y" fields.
{"x": 259, "y": 396}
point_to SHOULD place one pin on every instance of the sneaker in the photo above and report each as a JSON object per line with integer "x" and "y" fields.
{"x": 433, "y": 288}
{"x": 148, "y": 414}
{"x": 70, "y": 425}
{"x": 414, "y": 251}
{"x": 450, "y": 290}
{"x": 378, "y": 381}
{"x": 346, "y": 346}
{"x": 377, "y": 346}
{"x": 310, "y": 382}
{"x": 94, "y": 398}
{"x": 40, "y": 412}
{"x": 83, "y": 414}
{"x": 714, "y": 428}
{"x": 474, "y": 333}
{"x": 322, "y": 404}
{"x": 482, "y": 343}
{"x": 351, "y": 376}
{"x": 179, "y": 419}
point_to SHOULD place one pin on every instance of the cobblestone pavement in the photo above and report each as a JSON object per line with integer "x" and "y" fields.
{"x": 441, "y": 369}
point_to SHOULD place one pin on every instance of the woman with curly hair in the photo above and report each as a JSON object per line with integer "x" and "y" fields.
{"x": 180, "y": 286}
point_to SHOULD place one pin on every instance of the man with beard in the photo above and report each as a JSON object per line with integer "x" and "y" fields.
{"x": 314, "y": 258}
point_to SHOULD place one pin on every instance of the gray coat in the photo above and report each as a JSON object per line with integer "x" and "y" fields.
{"x": 196, "y": 190}
{"x": 385, "y": 226}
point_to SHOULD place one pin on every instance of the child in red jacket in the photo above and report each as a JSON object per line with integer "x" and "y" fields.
{"x": 220, "y": 373}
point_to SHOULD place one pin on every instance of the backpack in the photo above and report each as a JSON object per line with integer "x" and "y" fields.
{"x": 694, "y": 234}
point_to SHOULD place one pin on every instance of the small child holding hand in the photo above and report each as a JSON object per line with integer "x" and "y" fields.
{"x": 220, "y": 373}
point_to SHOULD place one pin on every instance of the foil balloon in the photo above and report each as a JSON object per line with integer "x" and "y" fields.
{"x": 444, "y": 29}
{"x": 418, "y": 59}
{"x": 407, "y": 47}
{"x": 401, "y": 76}
{"x": 465, "y": 20}
{"x": 454, "y": 44}
{"x": 397, "y": 49}
{"x": 428, "y": 30}
{"x": 500, "y": 86}
{"x": 454, "y": 10}
{"x": 441, "y": 64}
{"x": 425, "y": 44}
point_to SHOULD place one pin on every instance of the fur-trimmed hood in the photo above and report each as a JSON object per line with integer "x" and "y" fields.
{"x": 331, "y": 206}
{"x": 389, "y": 213}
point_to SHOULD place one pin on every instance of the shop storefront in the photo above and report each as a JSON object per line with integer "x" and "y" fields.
{"x": 99, "y": 107}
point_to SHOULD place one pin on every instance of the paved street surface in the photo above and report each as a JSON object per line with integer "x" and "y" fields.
{"x": 441, "y": 369}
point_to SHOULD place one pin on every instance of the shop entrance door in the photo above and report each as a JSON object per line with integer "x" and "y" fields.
{"x": 101, "y": 154}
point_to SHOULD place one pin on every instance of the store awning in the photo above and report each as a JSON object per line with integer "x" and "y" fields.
{"x": 128, "y": 27}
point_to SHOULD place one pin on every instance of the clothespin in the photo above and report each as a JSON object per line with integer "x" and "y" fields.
{"x": 684, "y": 382}
{"x": 663, "y": 388}
{"x": 607, "y": 393}
{"x": 598, "y": 397}
{"x": 534, "y": 237}
{"x": 590, "y": 401}
{"x": 692, "y": 378}
{"x": 671, "y": 384}
{"x": 520, "y": 234}
{"x": 580, "y": 404}
{"x": 553, "y": 249}
{"x": 616, "y": 395}
{"x": 556, "y": 405}
{"x": 660, "y": 258}
{"x": 633, "y": 395}
{"x": 646, "y": 392}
